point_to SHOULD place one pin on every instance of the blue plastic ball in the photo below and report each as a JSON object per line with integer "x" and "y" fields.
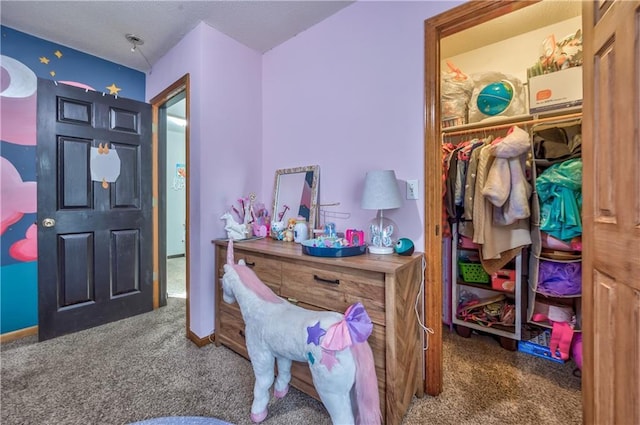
{"x": 404, "y": 246}
{"x": 495, "y": 98}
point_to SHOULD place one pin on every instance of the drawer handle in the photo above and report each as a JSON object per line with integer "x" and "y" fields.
{"x": 249, "y": 264}
{"x": 241, "y": 333}
{"x": 332, "y": 282}
{"x": 292, "y": 301}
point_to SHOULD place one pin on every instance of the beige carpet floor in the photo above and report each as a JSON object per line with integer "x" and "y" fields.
{"x": 145, "y": 367}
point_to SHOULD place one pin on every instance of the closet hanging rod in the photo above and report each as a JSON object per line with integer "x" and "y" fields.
{"x": 489, "y": 128}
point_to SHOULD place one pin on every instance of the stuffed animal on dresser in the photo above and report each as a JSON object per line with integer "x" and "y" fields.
{"x": 288, "y": 232}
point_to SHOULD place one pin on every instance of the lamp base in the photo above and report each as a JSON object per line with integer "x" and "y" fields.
{"x": 380, "y": 249}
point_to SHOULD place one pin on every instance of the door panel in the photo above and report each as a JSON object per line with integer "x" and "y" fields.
{"x": 611, "y": 212}
{"x": 76, "y": 191}
{"x": 125, "y": 264}
{"x": 76, "y": 257}
{"x": 127, "y": 195}
{"x": 95, "y": 256}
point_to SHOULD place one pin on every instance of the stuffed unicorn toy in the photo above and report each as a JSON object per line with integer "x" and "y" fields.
{"x": 333, "y": 345}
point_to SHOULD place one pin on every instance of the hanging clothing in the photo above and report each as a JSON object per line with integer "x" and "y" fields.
{"x": 465, "y": 227}
{"x": 447, "y": 148}
{"x": 470, "y": 182}
{"x": 506, "y": 186}
{"x": 559, "y": 189}
{"x": 499, "y": 242}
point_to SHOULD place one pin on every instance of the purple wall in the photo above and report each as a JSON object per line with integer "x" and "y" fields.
{"x": 225, "y": 144}
{"x": 348, "y": 94}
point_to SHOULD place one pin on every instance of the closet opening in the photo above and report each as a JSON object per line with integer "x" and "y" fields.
{"x": 459, "y": 36}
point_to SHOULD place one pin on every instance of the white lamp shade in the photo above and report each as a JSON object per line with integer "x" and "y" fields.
{"x": 381, "y": 191}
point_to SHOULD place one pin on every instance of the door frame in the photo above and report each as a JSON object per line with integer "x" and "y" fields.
{"x": 447, "y": 23}
{"x": 159, "y": 137}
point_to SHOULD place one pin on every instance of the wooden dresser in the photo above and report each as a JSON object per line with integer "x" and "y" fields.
{"x": 387, "y": 285}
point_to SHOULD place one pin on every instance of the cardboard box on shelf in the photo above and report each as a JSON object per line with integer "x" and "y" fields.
{"x": 556, "y": 90}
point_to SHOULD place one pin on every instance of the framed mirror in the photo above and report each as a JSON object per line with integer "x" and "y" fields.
{"x": 295, "y": 193}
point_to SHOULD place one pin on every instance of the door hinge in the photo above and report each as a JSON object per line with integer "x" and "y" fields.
{"x": 154, "y": 127}
{"x": 154, "y": 202}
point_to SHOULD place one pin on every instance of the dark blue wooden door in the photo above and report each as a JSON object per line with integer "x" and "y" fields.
{"x": 94, "y": 209}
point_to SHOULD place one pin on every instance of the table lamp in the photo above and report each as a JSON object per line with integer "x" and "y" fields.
{"x": 381, "y": 193}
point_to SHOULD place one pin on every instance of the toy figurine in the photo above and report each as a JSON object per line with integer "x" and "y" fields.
{"x": 234, "y": 229}
{"x": 288, "y": 232}
{"x": 404, "y": 246}
{"x": 277, "y": 230}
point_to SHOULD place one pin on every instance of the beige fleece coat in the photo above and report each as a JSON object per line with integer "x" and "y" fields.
{"x": 495, "y": 239}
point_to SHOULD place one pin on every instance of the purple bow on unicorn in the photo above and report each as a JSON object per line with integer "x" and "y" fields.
{"x": 355, "y": 328}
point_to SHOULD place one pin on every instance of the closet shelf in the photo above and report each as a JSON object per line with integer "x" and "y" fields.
{"x": 505, "y": 331}
{"x": 485, "y": 290}
{"x": 559, "y": 297}
{"x": 506, "y": 122}
{"x": 486, "y": 286}
{"x": 562, "y": 292}
{"x": 546, "y": 325}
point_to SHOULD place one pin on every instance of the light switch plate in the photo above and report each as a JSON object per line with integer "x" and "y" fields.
{"x": 412, "y": 189}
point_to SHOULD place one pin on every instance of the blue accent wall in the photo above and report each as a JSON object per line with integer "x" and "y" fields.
{"x": 25, "y": 58}
{"x": 19, "y": 296}
{"x": 72, "y": 65}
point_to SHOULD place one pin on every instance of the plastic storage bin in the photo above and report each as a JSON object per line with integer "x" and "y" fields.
{"x": 473, "y": 272}
{"x": 504, "y": 280}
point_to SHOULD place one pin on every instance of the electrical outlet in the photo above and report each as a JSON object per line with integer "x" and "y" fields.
{"x": 412, "y": 189}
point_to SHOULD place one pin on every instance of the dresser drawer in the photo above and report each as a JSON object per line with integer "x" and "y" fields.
{"x": 335, "y": 289}
{"x": 268, "y": 270}
{"x": 376, "y": 341}
{"x": 231, "y": 330}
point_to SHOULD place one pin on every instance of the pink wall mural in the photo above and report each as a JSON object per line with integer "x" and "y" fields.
{"x": 23, "y": 60}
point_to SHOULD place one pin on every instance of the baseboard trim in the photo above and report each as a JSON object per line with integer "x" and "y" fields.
{"x": 201, "y": 342}
{"x": 20, "y": 333}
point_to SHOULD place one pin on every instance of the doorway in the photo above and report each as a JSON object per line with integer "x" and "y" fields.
{"x": 455, "y": 20}
{"x": 175, "y": 194}
{"x": 171, "y": 191}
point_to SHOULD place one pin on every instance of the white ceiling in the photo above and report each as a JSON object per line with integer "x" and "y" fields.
{"x": 99, "y": 27}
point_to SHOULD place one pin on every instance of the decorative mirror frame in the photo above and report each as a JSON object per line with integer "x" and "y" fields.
{"x": 287, "y": 178}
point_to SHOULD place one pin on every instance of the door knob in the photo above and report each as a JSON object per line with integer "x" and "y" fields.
{"x": 48, "y": 222}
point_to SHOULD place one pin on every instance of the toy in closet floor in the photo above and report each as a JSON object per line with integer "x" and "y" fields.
{"x": 334, "y": 346}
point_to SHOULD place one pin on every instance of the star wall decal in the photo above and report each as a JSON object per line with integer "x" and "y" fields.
{"x": 113, "y": 89}
{"x": 58, "y": 53}
{"x": 52, "y": 73}
{"x": 44, "y": 60}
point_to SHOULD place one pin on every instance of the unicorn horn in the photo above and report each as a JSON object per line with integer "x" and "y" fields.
{"x": 230, "y": 252}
